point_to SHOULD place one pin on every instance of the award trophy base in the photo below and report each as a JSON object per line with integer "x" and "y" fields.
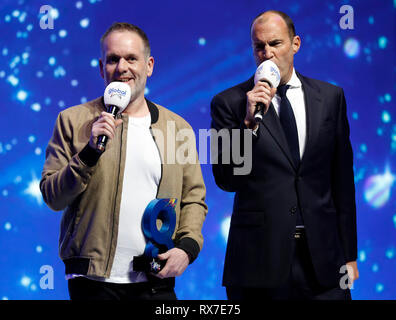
{"x": 148, "y": 265}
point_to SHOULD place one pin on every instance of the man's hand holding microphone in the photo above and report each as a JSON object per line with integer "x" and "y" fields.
{"x": 116, "y": 98}
{"x": 266, "y": 79}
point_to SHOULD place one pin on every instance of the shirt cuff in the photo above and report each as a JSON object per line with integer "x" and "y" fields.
{"x": 89, "y": 156}
{"x": 190, "y": 246}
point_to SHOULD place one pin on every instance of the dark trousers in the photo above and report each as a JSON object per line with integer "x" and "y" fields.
{"x": 301, "y": 284}
{"x": 81, "y": 288}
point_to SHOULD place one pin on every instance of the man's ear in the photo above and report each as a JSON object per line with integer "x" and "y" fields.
{"x": 150, "y": 66}
{"x": 296, "y": 43}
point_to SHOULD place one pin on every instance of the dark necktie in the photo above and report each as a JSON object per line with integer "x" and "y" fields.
{"x": 289, "y": 125}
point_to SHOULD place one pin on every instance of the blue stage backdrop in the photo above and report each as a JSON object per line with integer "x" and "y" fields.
{"x": 200, "y": 48}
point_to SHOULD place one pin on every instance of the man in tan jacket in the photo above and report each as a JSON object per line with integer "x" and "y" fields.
{"x": 103, "y": 195}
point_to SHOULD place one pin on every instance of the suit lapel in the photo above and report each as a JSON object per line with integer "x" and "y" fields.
{"x": 314, "y": 112}
{"x": 272, "y": 123}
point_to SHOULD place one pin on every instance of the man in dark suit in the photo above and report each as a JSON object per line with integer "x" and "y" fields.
{"x": 293, "y": 227}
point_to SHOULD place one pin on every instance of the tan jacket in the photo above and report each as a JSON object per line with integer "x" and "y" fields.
{"x": 90, "y": 191}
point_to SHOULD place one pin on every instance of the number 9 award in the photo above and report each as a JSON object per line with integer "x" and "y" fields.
{"x": 159, "y": 239}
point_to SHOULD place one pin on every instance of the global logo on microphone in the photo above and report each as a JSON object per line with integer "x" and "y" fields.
{"x": 116, "y": 92}
{"x": 268, "y": 71}
{"x": 275, "y": 72}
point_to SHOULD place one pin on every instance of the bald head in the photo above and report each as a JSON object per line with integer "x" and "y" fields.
{"x": 275, "y": 16}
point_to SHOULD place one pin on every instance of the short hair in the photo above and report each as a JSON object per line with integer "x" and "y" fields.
{"x": 289, "y": 22}
{"x": 124, "y": 26}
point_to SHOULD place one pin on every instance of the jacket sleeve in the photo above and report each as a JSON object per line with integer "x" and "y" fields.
{"x": 343, "y": 185}
{"x": 66, "y": 173}
{"x": 225, "y": 128}
{"x": 193, "y": 209}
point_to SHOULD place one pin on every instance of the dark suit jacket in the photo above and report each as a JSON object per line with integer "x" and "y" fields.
{"x": 259, "y": 249}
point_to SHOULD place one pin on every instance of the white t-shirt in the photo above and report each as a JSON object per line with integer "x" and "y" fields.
{"x": 141, "y": 179}
{"x": 140, "y": 184}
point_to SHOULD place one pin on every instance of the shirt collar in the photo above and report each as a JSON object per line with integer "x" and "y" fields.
{"x": 294, "y": 81}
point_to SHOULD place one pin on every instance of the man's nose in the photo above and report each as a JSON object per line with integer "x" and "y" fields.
{"x": 122, "y": 66}
{"x": 268, "y": 52}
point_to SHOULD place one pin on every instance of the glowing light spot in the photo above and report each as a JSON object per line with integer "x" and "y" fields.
{"x": 22, "y": 95}
{"x": 84, "y": 23}
{"x": 386, "y": 117}
{"x": 371, "y": 20}
{"x": 337, "y": 39}
{"x": 15, "y": 13}
{"x": 61, "y": 104}
{"x": 54, "y": 13}
{"x": 35, "y": 107}
{"x": 390, "y": 253}
{"x": 25, "y": 281}
{"x": 31, "y": 138}
{"x": 13, "y": 80}
{"x": 394, "y": 220}
{"x": 79, "y": 4}
{"x": 377, "y": 189}
{"x": 362, "y": 256}
{"x": 225, "y": 227}
{"x": 59, "y": 72}
{"x": 33, "y": 189}
{"x": 22, "y": 17}
{"x": 4, "y": 193}
{"x": 379, "y": 287}
{"x": 4, "y": 51}
{"x": 39, "y": 249}
{"x": 37, "y": 151}
{"x": 83, "y": 99}
{"x": 351, "y": 48}
{"x": 387, "y": 97}
{"x": 7, "y": 18}
{"x": 146, "y": 91}
{"x": 52, "y": 61}
{"x": 39, "y": 74}
{"x": 94, "y": 63}
{"x": 74, "y": 83}
{"x": 62, "y": 33}
{"x": 202, "y": 41}
{"x": 363, "y": 148}
{"x": 382, "y": 42}
{"x": 7, "y": 226}
{"x": 375, "y": 267}
{"x": 355, "y": 115}
{"x": 29, "y": 27}
{"x": 14, "y": 62}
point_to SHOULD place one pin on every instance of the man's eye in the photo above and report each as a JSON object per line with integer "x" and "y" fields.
{"x": 112, "y": 60}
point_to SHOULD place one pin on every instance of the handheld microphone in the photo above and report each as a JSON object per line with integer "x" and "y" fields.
{"x": 268, "y": 72}
{"x": 116, "y": 98}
